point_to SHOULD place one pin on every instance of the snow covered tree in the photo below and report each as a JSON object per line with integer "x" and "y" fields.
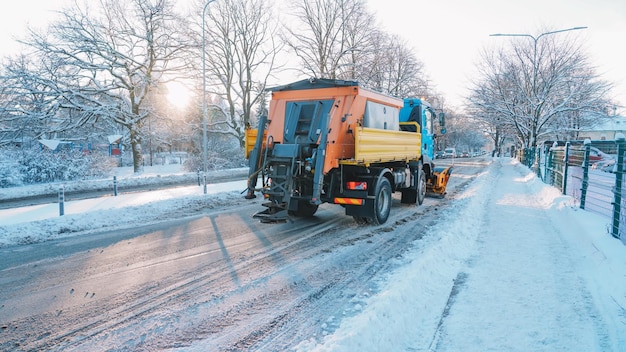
{"x": 240, "y": 54}
{"x": 339, "y": 39}
{"x": 538, "y": 88}
{"x": 27, "y": 105}
{"x": 394, "y": 69}
{"x": 103, "y": 62}
{"x": 318, "y": 34}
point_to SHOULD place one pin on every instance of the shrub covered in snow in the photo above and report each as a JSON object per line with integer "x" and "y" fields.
{"x": 9, "y": 168}
{"x": 217, "y": 161}
{"x": 30, "y": 166}
{"x": 223, "y": 152}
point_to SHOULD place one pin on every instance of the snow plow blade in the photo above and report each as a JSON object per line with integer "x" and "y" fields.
{"x": 436, "y": 187}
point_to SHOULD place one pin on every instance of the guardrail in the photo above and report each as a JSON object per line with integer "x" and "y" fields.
{"x": 592, "y": 173}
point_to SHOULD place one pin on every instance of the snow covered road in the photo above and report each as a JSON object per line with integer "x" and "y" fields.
{"x": 503, "y": 263}
{"x": 214, "y": 279}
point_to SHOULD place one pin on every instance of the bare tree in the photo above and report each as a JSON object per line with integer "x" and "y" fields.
{"x": 536, "y": 86}
{"x": 358, "y": 37}
{"x": 241, "y": 51}
{"x": 339, "y": 39}
{"x": 104, "y": 63}
{"x": 394, "y": 69}
{"x": 328, "y": 35}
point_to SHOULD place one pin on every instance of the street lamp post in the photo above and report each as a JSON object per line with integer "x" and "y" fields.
{"x": 533, "y": 37}
{"x": 204, "y": 108}
{"x": 535, "y": 40}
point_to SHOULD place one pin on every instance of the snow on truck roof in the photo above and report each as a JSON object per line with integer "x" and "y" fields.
{"x": 314, "y": 83}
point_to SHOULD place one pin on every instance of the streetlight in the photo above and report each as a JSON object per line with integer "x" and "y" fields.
{"x": 535, "y": 40}
{"x": 533, "y": 37}
{"x": 204, "y": 133}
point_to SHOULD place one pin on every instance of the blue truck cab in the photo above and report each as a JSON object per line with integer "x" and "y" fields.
{"x": 426, "y": 117}
{"x": 419, "y": 111}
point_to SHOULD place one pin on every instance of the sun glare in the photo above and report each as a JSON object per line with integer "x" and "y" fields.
{"x": 178, "y": 94}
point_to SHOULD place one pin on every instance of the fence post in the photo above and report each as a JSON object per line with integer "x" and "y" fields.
{"x": 550, "y": 169}
{"x": 115, "y": 186}
{"x": 585, "y": 182}
{"x": 61, "y": 201}
{"x": 565, "y": 168}
{"x": 617, "y": 194}
{"x": 538, "y": 161}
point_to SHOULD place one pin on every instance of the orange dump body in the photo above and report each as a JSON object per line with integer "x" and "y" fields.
{"x": 346, "y": 115}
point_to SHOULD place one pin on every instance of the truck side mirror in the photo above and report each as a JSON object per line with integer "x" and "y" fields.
{"x": 442, "y": 122}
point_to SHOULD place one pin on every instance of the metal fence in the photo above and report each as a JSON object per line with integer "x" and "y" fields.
{"x": 592, "y": 172}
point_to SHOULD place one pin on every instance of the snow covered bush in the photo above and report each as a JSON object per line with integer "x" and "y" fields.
{"x": 217, "y": 161}
{"x": 9, "y": 169}
{"x": 101, "y": 165}
{"x": 223, "y": 152}
{"x": 29, "y": 166}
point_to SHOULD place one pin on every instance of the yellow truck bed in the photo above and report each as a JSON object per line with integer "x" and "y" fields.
{"x": 378, "y": 146}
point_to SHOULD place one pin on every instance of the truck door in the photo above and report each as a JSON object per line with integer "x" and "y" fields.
{"x": 427, "y": 134}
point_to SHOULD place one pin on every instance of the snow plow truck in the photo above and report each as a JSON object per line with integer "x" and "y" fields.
{"x": 333, "y": 141}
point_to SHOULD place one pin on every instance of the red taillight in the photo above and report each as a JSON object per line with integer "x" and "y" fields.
{"x": 356, "y": 186}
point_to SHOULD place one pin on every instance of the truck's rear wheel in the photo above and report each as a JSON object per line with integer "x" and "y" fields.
{"x": 382, "y": 201}
{"x": 305, "y": 209}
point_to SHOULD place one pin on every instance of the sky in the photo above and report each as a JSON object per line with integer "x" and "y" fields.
{"x": 448, "y": 35}
{"x": 513, "y": 265}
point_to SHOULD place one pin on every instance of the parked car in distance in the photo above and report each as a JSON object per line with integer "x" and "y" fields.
{"x": 449, "y": 153}
{"x": 607, "y": 165}
{"x": 595, "y": 156}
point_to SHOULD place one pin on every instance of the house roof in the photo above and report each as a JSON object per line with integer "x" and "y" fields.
{"x": 613, "y": 123}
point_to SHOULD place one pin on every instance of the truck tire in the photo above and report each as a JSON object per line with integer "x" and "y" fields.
{"x": 421, "y": 186}
{"x": 382, "y": 201}
{"x": 305, "y": 209}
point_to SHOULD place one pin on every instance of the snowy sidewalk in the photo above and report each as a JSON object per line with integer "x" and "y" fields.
{"x": 512, "y": 266}
{"x": 524, "y": 288}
